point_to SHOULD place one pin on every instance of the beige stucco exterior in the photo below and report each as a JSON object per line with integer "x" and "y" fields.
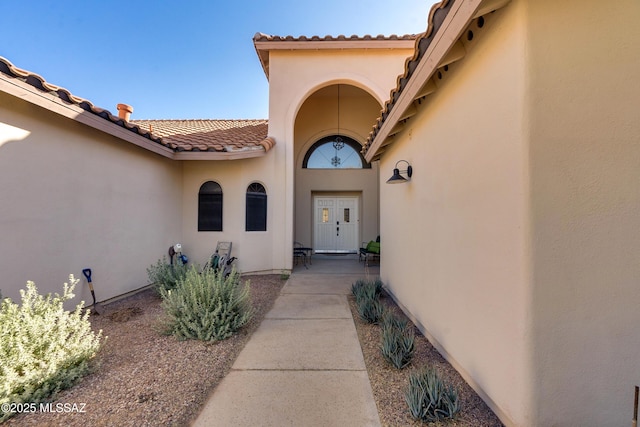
{"x": 257, "y": 251}
{"x": 515, "y": 244}
{"x": 513, "y": 247}
{"x": 83, "y": 191}
{"x": 73, "y": 198}
{"x": 455, "y": 236}
{"x": 317, "y": 118}
{"x": 299, "y": 115}
{"x": 584, "y": 160}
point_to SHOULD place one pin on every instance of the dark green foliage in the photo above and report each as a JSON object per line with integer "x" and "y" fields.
{"x": 368, "y": 288}
{"x": 397, "y": 340}
{"x": 206, "y": 306}
{"x": 43, "y": 347}
{"x": 165, "y": 276}
{"x": 367, "y": 294}
{"x": 370, "y": 310}
{"x": 429, "y": 399}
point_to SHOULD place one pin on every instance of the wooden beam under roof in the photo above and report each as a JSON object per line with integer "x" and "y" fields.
{"x": 427, "y": 89}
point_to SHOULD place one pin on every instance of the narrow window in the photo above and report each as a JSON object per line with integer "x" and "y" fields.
{"x": 210, "y": 207}
{"x": 256, "y": 219}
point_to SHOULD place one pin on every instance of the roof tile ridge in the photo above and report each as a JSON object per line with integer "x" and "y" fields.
{"x": 417, "y": 54}
{"x": 329, "y": 37}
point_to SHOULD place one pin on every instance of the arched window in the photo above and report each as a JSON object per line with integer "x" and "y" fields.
{"x": 256, "y": 216}
{"x": 335, "y": 152}
{"x": 210, "y": 207}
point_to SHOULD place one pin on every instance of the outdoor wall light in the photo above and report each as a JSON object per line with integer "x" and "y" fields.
{"x": 399, "y": 179}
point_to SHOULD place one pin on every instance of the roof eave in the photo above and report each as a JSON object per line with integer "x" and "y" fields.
{"x": 48, "y": 101}
{"x": 218, "y": 155}
{"x": 265, "y": 146}
{"x": 265, "y": 44}
{"x": 453, "y": 26}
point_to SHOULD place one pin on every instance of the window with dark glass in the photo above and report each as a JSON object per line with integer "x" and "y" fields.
{"x": 256, "y": 219}
{"x": 210, "y": 207}
{"x": 335, "y": 152}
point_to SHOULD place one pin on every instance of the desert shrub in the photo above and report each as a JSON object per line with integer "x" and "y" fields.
{"x": 165, "y": 276}
{"x": 398, "y": 338}
{"x": 43, "y": 347}
{"x": 206, "y": 306}
{"x": 368, "y": 304}
{"x": 370, "y": 310}
{"x": 367, "y": 294}
{"x": 429, "y": 399}
{"x": 368, "y": 288}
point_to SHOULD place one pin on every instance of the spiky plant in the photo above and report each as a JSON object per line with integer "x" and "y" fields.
{"x": 369, "y": 288}
{"x": 369, "y": 309}
{"x": 398, "y": 338}
{"x": 428, "y": 397}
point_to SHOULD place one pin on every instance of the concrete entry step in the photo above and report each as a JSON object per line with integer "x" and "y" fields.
{"x": 330, "y": 344}
{"x": 300, "y": 306}
{"x": 291, "y": 398}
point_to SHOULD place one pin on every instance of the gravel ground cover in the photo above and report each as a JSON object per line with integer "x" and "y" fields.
{"x": 144, "y": 378}
{"x": 389, "y": 384}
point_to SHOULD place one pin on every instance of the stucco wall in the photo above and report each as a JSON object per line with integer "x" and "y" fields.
{"x": 294, "y": 76}
{"x": 318, "y": 117}
{"x": 73, "y": 198}
{"x": 455, "y": 237}
{"x": 585, "y": 186}
{"x": 257, "y": 251}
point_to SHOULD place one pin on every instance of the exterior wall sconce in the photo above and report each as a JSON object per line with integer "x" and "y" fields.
{"x": 399, "y": 179}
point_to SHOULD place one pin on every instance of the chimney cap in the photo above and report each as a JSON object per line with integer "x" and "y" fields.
{"x": 125, "y": 107}
{"x": 124, "y": 111}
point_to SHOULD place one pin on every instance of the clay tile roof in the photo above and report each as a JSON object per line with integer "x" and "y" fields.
{"x": 263, "y": 43}
{"x": 36, "y": 81}
{"x": 224, "y": 136}
{"x": 258, "y": 37}
{"x": 437, "y": 15}
{"x": 210, "y": 135}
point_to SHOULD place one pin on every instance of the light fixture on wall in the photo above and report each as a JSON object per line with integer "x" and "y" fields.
{"x": 397, "y": 178}
{"x": 338, "y": 143}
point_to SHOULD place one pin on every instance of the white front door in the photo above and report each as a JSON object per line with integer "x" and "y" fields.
{"x": 336, "y": 224}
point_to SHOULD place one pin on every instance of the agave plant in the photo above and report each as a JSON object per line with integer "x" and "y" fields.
{"x": 397, "y": 340}
{"x": 369, "y": 309}
{"x": 429, "y": 399}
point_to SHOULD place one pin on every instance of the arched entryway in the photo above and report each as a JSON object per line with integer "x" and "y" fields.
{"x": 336, "y": 190}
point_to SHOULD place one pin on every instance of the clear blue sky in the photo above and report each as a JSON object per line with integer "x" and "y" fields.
{"x": 179, "y": 59}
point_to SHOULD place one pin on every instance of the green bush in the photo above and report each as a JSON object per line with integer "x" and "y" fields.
{"x": 165, "y": 276}
{"x": 398, "y": 338}
{"x": 429, "y": 399}
{"x": 43, "y": 347}
{"x": 206, "y": 306}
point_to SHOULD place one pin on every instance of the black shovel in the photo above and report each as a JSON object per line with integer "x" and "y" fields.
{"x": 87, "y": 274}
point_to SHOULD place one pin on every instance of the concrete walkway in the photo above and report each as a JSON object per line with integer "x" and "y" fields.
{"x": 303, "y": 366}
